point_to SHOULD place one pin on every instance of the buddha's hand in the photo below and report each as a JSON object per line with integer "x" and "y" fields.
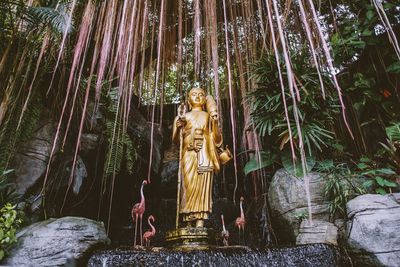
{"x": 180, "y": 123}
{"x": 214, "y": 115}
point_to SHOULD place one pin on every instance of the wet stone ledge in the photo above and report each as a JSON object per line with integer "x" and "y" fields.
{"x": 320, "y": 255}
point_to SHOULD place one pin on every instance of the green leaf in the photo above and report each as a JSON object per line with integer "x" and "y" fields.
{"x": 338, "y": 147}
{"x": 380, "y": 180}
{"x": 394, "y": 68}
{"x": 256, "y": 163}
{"x": 388, "y": 5}
{"x": 296, "y": 169}
{"x": 387, "y": 171}
{"x": 7, "y": 172}
{"x": 370, "y": 172}
{"x": 358, "y": 44}
{"x": 365, "y": 160}
{"x": 368, "y": 183}
{"x": 380, "y": 191}
{"x": 370, "y": 14}
{"x": 390, "y": 184}
{"x": 325, "y": 165}
{"x": 367, "y": 32}
{"x": 362, "y": 166}
{"x": 393, "y": 132}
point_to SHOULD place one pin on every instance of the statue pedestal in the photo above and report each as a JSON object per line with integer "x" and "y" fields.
{"x": 188, "y": 238}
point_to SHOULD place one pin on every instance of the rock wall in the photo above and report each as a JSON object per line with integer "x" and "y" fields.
{"x": 55, "y": 242}
{"x": 287, "y": 198}
{"x": 373, "y": 230}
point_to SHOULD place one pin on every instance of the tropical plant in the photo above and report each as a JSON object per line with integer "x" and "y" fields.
{"x": 392, "y": 148}
{"x": 258, "y": 161}
{"x": 369, "y": 67}
{"x": 268, "y": 115}
{"x": 10, "y": 216}
{"x": 268, "y": 112}
{"x": 339, "y": 185}
{"x": 120, "y": 146}
{"x": 295, "y": 168}
{"x": 301, "y": 215}
{"x": 10, "y": 221}
{"x": 380, "y": 180}
{"x": 23, "y": 31}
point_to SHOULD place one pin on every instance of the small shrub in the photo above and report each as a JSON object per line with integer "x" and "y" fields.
{"x": 301, "y": 215}
{"x": 379, "y": 180}
{"x": 10, "y": 221}
{"x": 339, "y": 186}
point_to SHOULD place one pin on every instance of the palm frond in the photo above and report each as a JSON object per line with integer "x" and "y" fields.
{"x": 393, "y": 132}
{"x": 121, "y": 148}
{"x": 55, "y": 18}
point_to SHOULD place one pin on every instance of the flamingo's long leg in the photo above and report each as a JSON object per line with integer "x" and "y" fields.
{"x": 240, "y": 235}
{"x": 244, "y": 241}
{"x": 136, "y": 221}
{"x": 141, "y": 234}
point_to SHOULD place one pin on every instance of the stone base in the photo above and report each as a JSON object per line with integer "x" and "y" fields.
{"x": 318, "y": 232}
{"x": 188, "y": 238}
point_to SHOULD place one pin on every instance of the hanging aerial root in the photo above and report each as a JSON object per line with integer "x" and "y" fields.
{"x": 197, "y": 36}
{"x": 233, "y": 123}
{"x": 388, "y": 27}
{"x": 291, "y": 83}
{"x": 278, "y": 65}
{"x": 160, "y": 38}
{"x": 65, "y": 34}
{"x": 304, "y": 19}
{"x": 39, "y": 61}
{"x": 330, "y": 65}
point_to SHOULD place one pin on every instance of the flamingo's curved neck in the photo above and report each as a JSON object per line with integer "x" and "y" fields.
{"x": 153, "y": 229}
{"x": 223, "y": 224}
{"x": 141, "y": 196}
{"x": 241, "y": 210}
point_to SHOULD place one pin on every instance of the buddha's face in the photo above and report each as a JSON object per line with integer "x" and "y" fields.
{"x": 197, "y": 97}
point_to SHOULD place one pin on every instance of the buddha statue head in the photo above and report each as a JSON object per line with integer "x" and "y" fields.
{"x": 196, "y": 97}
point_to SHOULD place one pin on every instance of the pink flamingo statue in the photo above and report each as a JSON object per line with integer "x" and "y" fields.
{"x": 224, "y": 232}
{"x": 241, "y": 221}
{"x": 148, "y": 235}
{"x": 137, "y": 212}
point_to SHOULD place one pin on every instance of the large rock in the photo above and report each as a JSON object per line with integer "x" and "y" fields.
{"x": 56, "y": 186}
{"x": 31, "y": 159}
{"x": 89, "y": 143}
{"x": 169, "y": 172}
{"x": 287, "y": 199}
{"x": 317, "y": 232}
{"x": 54, "y": 241}
{"x": 80, "y": 174}
{"x": 373, "y": 230}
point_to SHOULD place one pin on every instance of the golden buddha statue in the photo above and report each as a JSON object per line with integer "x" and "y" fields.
{"x": 201, "y": 154}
